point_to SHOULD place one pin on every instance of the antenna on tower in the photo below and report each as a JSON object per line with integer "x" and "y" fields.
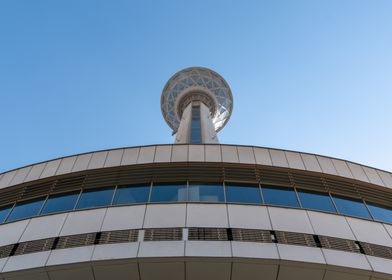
{"x": 196, "y": 103}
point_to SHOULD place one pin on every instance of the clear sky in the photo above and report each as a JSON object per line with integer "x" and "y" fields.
{"x": 84, "y": 75}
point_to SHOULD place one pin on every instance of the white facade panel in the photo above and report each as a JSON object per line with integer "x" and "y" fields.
{"x": 146, "y": 155}
{"x": 386, "y": 178}
{"x": 34, "y": 260}
{"x": 207, "y": 249}
{"x": 380, "y": 265}
{"x": 196, "y": 153}
{"x": 124, "y": 217}
{"x": 115, "y": 251}
{"x": 130, "y": 156}
{"x": 301, "y": 254}
{"x": 246, "y": 155}
{"x": 44, "y": 227}
{"x": 20, "y": 175}
{"x": 114, "y": 158}
{"x": 294, "y": 220}
{"x": 330, "y": 225}
{"x": 374, "y": 178}
{"x": 66, "y": 165}
{"x": 83, "y": 222}
{"x": 163, "y": 153}
{"x": 6, "y": 179}
{"x": 311, "y": 162}
{"x": 346, "y": 259}
{"x": 278, "y": 158}
{"x": 207, "y": 215}
{"x": 179, "y": 153}
{"x": 161, "y": 249}
{"x": 229, "y": 154}
{"x": 327, "y": 165}
{"x": 357, "y": 172}
{"x": 70, "y": 255}
{"x": 11, "y": 233}
{"x": 3, "y": 261}
{"x": 81, "y": 162}
{"x": 371, "y": 232}
{"x": 50, "y": 168}
{"x": 165, "y": 215}
{"x": 255, "y": 250}
{"x": 35, "y": 172}
{"x": 342, "y": 168}
{"x": 97, "y": 160}
{"x": 213, "y": 153}
{"x": 295, "y": 161}
{"x": 262, "y": 156}
{"x": 251, "y": 217}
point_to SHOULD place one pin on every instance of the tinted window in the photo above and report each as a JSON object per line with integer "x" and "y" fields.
{"x": 4, "y": 211}
{"x": 316, "y": 201}
{"x": 206, "y": 192}
{"x": 95, "y": 198}
{"x": 26, "y": 209}
{"x": 280, "y": 196}
{"x": 243, "y": 194}
{"x": 132, "y": 194}
{"x": 60, "y": 203}
{"x": 351, "y": 207}
{"x": 380, "y": 213}
{"x": 168, "y": 193}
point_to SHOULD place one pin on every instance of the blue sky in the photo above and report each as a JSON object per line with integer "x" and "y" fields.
{"x": 78, "y": 76}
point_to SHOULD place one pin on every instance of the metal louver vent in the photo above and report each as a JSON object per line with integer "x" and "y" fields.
{"x": 308, "y": 182}
{"x": 37, "y": 190}
{"x": 34, "y": 246}
{"x": 69, "y": 184}
{"x": 377, "y": 250}
{"x": 274, "y": 177}
{"x": 163, "y": 234}
{"x": 240, "y": 174}
{"x": 341, "y": 188}
{"x": 294, "y": 238}
{"x": 211, "y": 234}
{"x": 339, "y": 244}
{"x": 120, "y": 236}
{"x": 76, "y": 240}
{"x": 251, "y": 235}
{"x": 5, "y": 251}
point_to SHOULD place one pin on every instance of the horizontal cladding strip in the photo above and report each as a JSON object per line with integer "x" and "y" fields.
{"x": 196, "y": 234}
{"x": 197, "y": 172}
{"x": 197, "y": 153}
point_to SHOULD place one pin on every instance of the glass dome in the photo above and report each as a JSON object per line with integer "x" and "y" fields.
{"x": 199, "y": 79}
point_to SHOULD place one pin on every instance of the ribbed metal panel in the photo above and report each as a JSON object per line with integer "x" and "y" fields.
{"x": 251, "y": 235}
{"x": 211, "y": 234}
{"x": 339, "y": 244}
{"x": 377, "y": 250}
{"x": 120, "y": 236}
{"x": 294, "y": 238}
{"x": 5, "y": 251}
{"x": 274, "y": 177}
{"x": 304, "y": 181}
{"x": 34, "y": 246}
{"x": 163, "y": 234}
{"x": 69, "y": 184}
{"x": 76, "y": 240}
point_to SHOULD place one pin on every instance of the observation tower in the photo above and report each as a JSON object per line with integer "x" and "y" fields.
{"x": 196, "y": 103}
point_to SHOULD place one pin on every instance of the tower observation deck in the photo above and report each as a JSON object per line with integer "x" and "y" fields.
{"x": 196, "y": 103}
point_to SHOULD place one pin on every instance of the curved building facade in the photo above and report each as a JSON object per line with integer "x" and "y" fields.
{"x": 196, "y": 211}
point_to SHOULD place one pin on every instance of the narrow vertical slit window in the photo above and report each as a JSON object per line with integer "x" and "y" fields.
{"x": 195, "y": 125}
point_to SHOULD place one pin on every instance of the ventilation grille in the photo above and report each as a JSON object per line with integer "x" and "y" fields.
{"x": 339, "y": 244}
{"x": 308, "y": 182}
{"x": 121, "y": 236}
{"x": 341, "y": 188}
{"x": 34, "y": 246}
{"x": 272, "y": 177}
{"x": 69, "y": 184}
{"x": 163, "y": 234}
{"x": 76, "y": 240}
{"x": 240, "y": 174}
{"x": 5, "y": 251}
{"x": 293, "y": 238}
{"x": 251, "y": 235}
{"x": 377, "y": 250}
{"x": 211, "y": 234}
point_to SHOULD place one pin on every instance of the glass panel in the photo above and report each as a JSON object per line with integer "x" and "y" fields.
{"x": 131, "y": 194}
{"x": 243, "y": 194}
{"x": 351, "y": 207}
{"x": 380, "y": 213}
{"x": 168, "y": 193}
{"x": 95, "y": 198}
{"x": 4, "y": 211}
{"x": 280, "y": 196}
{"x": 195, "y": 125}
{"x": 60, "y": 203}
{"x": 206, "y": 192}
{"x": 26, "y": 209}
{"x": 316, "y": 201}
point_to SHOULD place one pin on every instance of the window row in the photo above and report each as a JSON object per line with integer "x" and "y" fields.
{"x": 195, "y": 192}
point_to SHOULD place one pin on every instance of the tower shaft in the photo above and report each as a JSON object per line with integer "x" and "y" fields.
{"x": 196, "y": 126}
